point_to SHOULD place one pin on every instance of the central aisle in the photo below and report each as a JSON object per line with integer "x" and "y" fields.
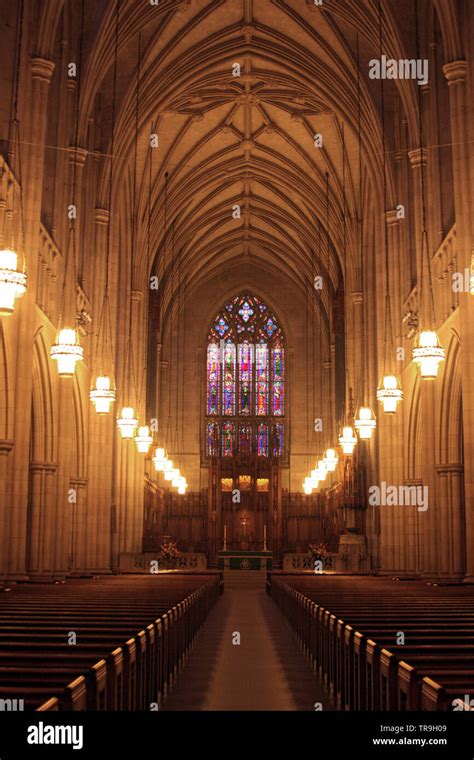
{"x": 266, "y": 672}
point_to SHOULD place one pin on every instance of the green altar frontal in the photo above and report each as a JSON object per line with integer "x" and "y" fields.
{"x": 230, "y": 560}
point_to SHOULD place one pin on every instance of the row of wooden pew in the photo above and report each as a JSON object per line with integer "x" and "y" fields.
{"x": 114, "y": 643}
{"x": 350, "y": 628}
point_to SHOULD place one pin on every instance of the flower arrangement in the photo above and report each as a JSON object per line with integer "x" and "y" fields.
{"x": 319, "y": 551}
{"x": 169, "y": 553}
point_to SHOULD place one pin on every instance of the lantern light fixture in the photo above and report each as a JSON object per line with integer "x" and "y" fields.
{"x": 365, "y": 424}
{"x": 176, "y": 482}
{"x": 314, "y": 478}
{"x": 143, "y": 439}
{"x": 127, "y": 423}
{"x": 67, "y": 351}
{"x": 330, "y": 460}
{"x": 12, "y": 281}
{"x": 389, "y": 394}
{"x": 428, "y": 353}
{"x": 347, "y": 440}
{"x": 159, "y": 460}
{"x": 307, "y": 486}
{"x": 102, "y": 395}
{"x": 170, "y": 473}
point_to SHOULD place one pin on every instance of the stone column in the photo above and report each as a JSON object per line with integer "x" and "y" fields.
{"x": 96, "y": 557}
{"x": 6, "y": 447}
{"x": 25, "y": 318}
{"x": 461, "y": 115}
{"x": 427, "y": 521}
{"x": 42, "y": 523}
{"x": 79, "y": 537}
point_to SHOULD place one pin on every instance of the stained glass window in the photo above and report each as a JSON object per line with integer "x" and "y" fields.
{"x": 278, "y": 389}
{"x": 278, "y": 439}
{"x": 262, "y": 440}
{"x": 228, "y": 384}
{"x": 261, "y": 370}
{"x": 245, "y": 377}
{"x": 212, "y": 439}
{"x": 228, "y": 429}
{"x": 245, "y": 439}
{"x": 213, "y": 376}
{"x": 246, "y": 380}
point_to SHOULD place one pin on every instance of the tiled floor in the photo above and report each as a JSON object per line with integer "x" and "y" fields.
{"x": 267, "y": 671}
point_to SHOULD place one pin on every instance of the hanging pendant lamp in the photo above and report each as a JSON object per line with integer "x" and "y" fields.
{"x": 159, "y": 460}
{"x": 366, "y": 423}
{"x": 331, "y": 459}
{"x": 314, "y": 478}
{"x": 67, "y": 351}
{"x": 127, "y": 423}
{"x": 307, "y": 486}
{"x": 102, "y": 396}
{"x": 389, "y": 394}
{"x": 428, "y": 353}
{"x": 12, "y": 281}
{"x": 143, "y": 439}
{"x": 347, "y": 440}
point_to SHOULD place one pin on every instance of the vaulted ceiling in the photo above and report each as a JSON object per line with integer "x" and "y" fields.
{"x": 246, "y": 140}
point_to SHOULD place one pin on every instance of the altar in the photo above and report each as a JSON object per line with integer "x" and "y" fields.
{"x": 244, "y": 560}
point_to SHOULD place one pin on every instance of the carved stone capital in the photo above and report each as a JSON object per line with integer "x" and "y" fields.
{"x": 392, "y": 217}
{"x": 42, "y": 69}
{"x": 49, "y": 467}
{"x": 6, "y": 446}
{"x": 418, "y": 157}
{"x": 77, "y": 155}
{"x": 101, "y": 216}
{"x": 455, "y": 72}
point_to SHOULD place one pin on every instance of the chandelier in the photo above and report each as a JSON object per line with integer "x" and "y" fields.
{"x": 102, "y": 396}
{"x": 127, "y": 423}
{"x": 428, "y": 353}
{"x": 365, "y": 424}
{"x": 389, "y": 394}
{"x": 67, "y": 351}
{"x": 347, "y": 440}
{"x": 12, "y": 281}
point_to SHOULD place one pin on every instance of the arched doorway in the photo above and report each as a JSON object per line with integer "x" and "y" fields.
{"x": 245, "y": 430}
